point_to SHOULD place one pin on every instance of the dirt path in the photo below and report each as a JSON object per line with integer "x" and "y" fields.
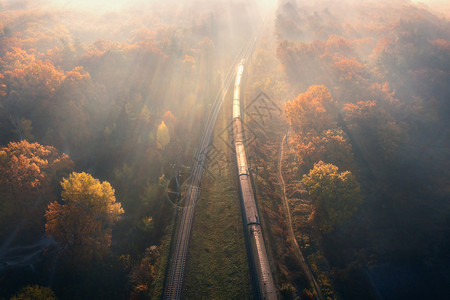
{"x": 312, "y": 281}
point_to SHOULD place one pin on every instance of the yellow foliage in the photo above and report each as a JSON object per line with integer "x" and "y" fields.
{"x": 147, "y": 222}
{"x": 35, "y": 292}
{"x": 83, "y": 222}
{"x": 162, "y": 135}
{"x": 81, "y": 189}
{"x": 336, "y": 195}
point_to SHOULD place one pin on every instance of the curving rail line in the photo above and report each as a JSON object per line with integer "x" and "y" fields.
{"x": 265, "y": 284}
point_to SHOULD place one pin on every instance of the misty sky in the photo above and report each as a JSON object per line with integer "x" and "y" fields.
{"x": 441, "y": 6}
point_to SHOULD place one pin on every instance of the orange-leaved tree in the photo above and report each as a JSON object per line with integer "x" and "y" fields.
{"x": 313, "y": 120}
{"x": 29, "y": 173}
{"x": 311, "y": 110}
{"x": 26, "y": 167}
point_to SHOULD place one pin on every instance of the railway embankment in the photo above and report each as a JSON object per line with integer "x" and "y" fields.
{"x": 217, "y": 261}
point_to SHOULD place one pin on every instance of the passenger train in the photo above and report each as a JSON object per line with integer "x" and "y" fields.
{"x": 265, "y": 284}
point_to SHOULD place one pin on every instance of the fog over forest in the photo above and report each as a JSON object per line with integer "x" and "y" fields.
{"x": 103, "y": 106}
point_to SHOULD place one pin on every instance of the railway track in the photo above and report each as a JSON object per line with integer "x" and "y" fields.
{"x": 175, "y": 277}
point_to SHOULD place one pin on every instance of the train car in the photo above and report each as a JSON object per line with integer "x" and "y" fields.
{"x": 241, "y": 160}
{"x": 237, "y": 92}
{"x": 250, "y": 210}
{"x": 236, "y": 109}
{"x": 266, "y": 288}
{"x": 238, "y": 136}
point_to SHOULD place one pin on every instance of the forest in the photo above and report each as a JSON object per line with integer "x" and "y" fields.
{"x": 368, "y": 96}
{"x": 101, "y": 104}
{"x": 97, "y": 106}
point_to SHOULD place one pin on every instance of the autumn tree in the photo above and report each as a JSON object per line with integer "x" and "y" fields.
{"x": 313, "y": 120}
{"x": 82, "y": 222}
{"x": 309, "y": 63}
{"x": 27, "y": 78}
{"x": 74, "y": 112}
{"x": 143, "y": 274}
{"x": 331, "y": 145}
{"x": 35, "y": 292}
{"x": 27, "y": 167}
{"x": 29, "y": 173}
{"x": 312, "y": 110}
{"x": 168, "y": 117}
{"x": 162, "y": 135}
{"x": 27, "y": 86}
{"x": 350, "y": 79}
{"x": 336, "y": 195}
